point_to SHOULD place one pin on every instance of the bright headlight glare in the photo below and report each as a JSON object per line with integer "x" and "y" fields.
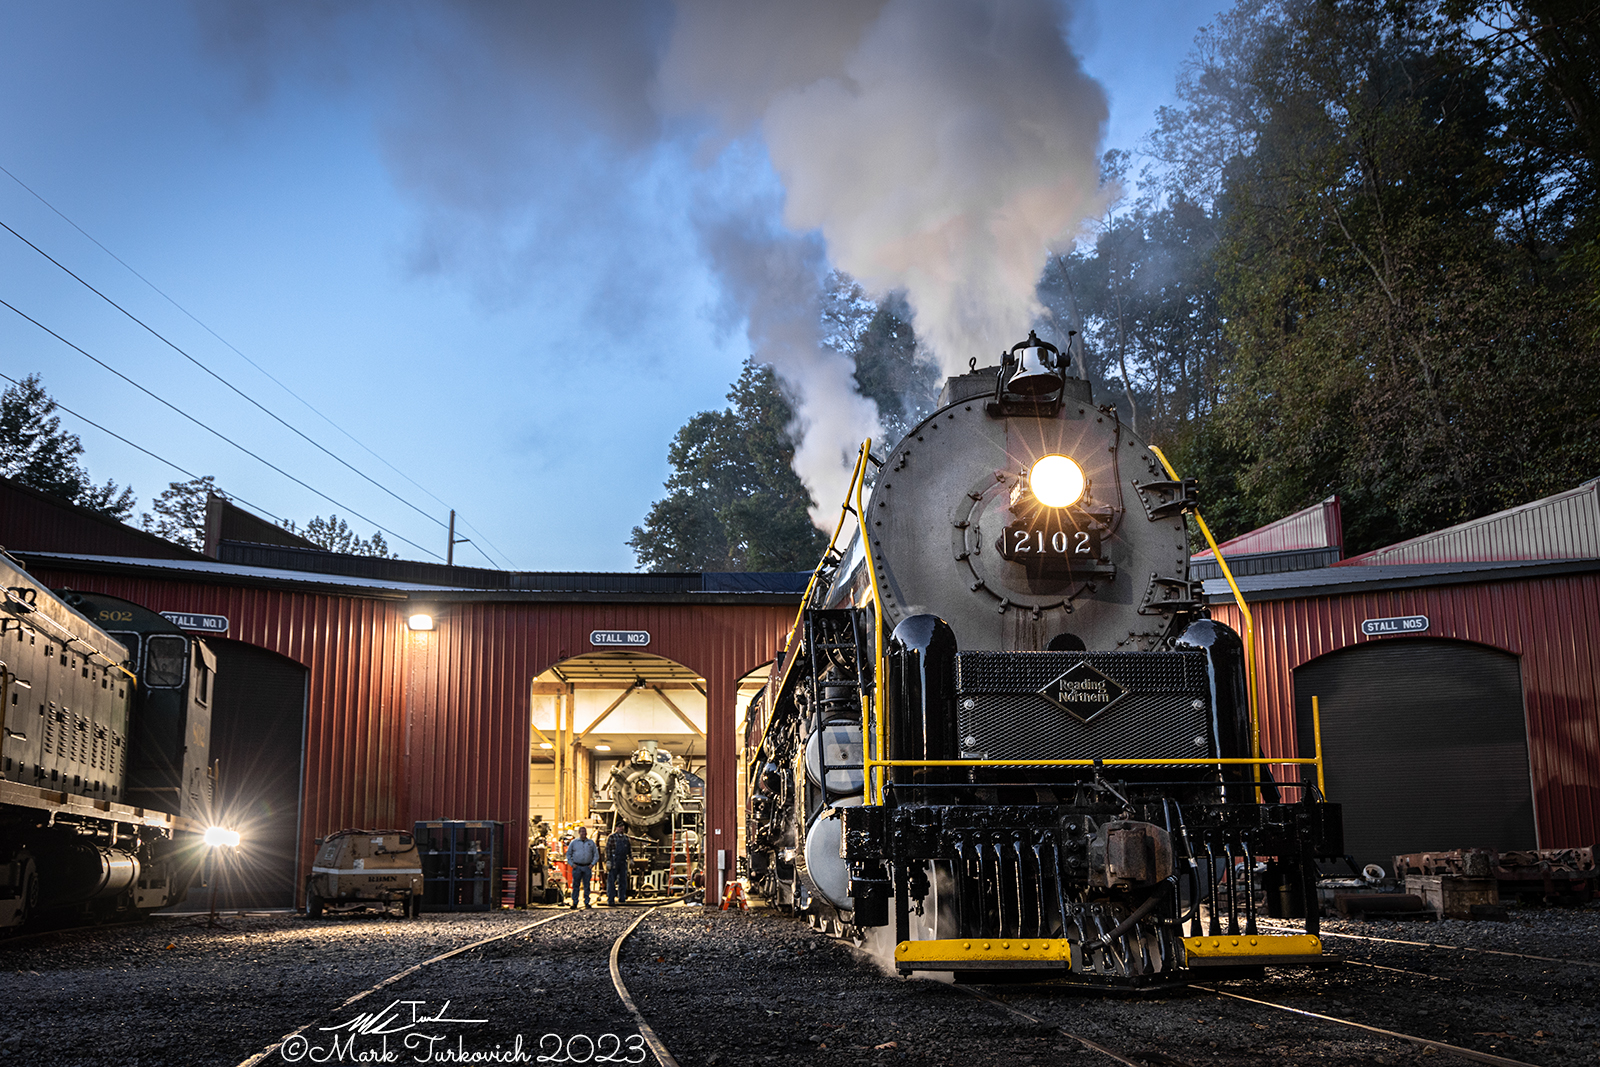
{"x": 1057, "y": 481}
{"x": 217, "y": 835}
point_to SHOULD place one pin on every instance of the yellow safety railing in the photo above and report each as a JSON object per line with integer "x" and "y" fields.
{"x": 856, "y": 477}
{"x": 872, "y": 716}
{"x": 1249, "y": 627}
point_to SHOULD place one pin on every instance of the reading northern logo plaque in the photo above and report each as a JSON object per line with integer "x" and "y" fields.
{"x": 1083, "y": 692}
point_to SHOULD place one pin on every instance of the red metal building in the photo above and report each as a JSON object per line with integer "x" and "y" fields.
{"x": 402, "y": 725}
{"x": 1459, "y": 677}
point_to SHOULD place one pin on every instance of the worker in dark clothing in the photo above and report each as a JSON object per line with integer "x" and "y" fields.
{"x": 581, "y": 857}
{"x": 619, "y": 850}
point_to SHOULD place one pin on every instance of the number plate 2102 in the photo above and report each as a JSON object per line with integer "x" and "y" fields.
{"x": 1049, "y": 543}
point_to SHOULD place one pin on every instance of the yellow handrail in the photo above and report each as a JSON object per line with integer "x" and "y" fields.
{"x": 1316, "y": 733}
{"x": 1249, "y": 627}
{"x": 874, "y": 794}
{"x": 844, "y": 509}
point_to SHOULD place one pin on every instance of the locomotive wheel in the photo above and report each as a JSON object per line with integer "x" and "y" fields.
{"x": 313, "y": 905}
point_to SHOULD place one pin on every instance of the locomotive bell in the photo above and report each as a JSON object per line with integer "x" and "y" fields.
{"x": 1035, "y": 375}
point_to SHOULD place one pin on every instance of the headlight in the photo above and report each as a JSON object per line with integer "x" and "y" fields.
{"x": 216, "y": 835}
{"x": 1056, "y": 481}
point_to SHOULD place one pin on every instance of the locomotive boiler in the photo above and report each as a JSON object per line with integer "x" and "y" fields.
{"x": 650, "y": 796}
{"x": 106, "y": 790}
{"x": 1005, "y": 727}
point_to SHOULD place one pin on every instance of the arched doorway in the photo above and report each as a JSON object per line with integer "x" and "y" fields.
{"x": 1425, "y": 745}
{"x": 597, "y": 720}
{"x": 258, "y": 738}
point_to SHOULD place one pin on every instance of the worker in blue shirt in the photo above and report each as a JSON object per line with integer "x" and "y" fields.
{"x": 581, "y": 857}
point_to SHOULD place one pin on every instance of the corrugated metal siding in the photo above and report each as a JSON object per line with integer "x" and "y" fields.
{"x": 1552, "y": 623}
{"x": 406, "y": 726}
{"x": 1564, "y": 526}
{"x": 1319, "y": 526}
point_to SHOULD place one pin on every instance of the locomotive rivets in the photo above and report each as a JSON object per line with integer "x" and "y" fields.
{"x": 966, "y": 944}
{"x": 986, "y": 946}
{"x": 1024, "y": 946}
{"x": 1005, "y": 944}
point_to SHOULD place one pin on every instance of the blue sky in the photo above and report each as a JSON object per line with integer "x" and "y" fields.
{"x": 520, "y": 333}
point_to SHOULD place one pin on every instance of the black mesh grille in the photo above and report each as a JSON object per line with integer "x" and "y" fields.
{"x": 1156, "y": 718}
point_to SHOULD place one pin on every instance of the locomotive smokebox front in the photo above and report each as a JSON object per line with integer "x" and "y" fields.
{"x": 1019, "y": 511}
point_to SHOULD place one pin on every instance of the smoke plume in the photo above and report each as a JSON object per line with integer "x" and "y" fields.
{"x": 943, "y": 147}
{"x": 940, "y": 147}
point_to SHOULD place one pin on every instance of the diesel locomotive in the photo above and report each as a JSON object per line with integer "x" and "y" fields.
{"x": 1005, "y": 729}
{"x": 106, "y": 789}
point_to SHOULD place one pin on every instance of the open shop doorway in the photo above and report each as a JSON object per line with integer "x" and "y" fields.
{"x": 618, "y": 744}
{"x": 258, "y": 725}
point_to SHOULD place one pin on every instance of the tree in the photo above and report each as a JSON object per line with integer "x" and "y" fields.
{"x": 180, "y": 512}
{"x": 334, "y": 534}
{"x": 36, "y": 452}
{"x": 890, "y": 371}
{"x": 733, "y": 501}
{"x": 1363, "y": 265}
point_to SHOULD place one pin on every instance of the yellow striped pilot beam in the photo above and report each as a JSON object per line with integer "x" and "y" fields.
{"x": 962, "y": 954}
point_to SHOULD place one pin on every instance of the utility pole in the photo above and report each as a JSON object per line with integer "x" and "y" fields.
{"x": 450, "y": 552}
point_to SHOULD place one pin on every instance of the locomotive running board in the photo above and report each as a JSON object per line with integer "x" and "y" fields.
{"x": 1270, "y": 950}
{"x": 976, "y": 954}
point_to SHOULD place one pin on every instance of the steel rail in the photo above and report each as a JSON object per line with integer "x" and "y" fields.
{"x": 663, "y": 1057}
{"x": 1085, "y": 1042}
{"x": 1467, "y": 948}
{"x": 1426, "y": 1043}
{"x": 393, "y": 978}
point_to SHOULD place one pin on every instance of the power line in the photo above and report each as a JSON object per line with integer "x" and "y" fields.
{"x": 214, "y": 374}
{"x": 217, "y": 433}
{"x": 270, "y": 377}
{"x": 146, "y": 451}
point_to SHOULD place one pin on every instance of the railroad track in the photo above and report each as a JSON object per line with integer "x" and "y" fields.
{"x": 294, "y": 1044}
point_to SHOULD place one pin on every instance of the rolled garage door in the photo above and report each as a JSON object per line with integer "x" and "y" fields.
{"x": 1425, "y": 744}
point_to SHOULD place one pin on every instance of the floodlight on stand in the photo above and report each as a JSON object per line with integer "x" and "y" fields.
{"x": 420, "y": 621}
{"x": 218, "y": 836}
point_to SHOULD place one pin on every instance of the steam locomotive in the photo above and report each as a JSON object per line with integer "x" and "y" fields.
{"x": 651, "y": 796}
{"x": 106, "y": 792}
{"x": 1005, "y": 726}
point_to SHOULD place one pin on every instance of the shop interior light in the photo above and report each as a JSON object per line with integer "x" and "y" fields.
{"x": 546, "y": 745}
{"x": 602, "y": 748}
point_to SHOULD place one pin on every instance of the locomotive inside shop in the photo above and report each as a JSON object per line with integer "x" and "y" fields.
{"x": 1005, "y": 728}
{"x": 618, "y": 745}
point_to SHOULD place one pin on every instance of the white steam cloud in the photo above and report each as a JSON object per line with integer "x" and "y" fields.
{"x": 942, "y": 147}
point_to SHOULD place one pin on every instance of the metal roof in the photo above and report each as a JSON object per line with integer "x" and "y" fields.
{"x": 1343, "y": 578}
{"x": 1563, "y": 526}
{"x": 745, "y": 588}
{"x": 1317, "y": 527}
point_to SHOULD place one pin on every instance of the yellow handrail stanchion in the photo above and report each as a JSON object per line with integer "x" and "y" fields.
{"x": 1249, "y": 628}
{"x": 805, "y": 599}
{"x": 872, "y": 761}
{"x": 1316, "y": 733}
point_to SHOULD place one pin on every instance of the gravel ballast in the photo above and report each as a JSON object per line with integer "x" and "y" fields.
{"x": 733, "y": 988}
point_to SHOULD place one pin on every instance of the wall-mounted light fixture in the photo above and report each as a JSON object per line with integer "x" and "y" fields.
{"x": 420, "y": 621}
